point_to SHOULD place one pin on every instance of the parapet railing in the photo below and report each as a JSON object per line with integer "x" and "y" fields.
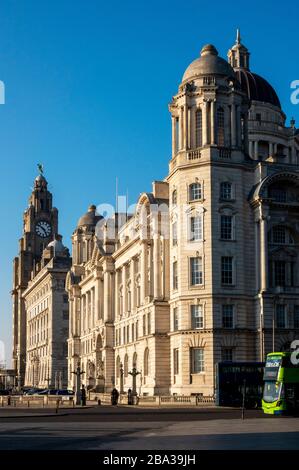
{"x": 35, "y": 401}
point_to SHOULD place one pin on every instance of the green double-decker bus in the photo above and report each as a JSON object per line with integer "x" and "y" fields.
{"x": 281, "y": 384}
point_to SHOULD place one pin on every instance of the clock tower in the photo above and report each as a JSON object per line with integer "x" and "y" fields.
{"x": 40, "y": 226}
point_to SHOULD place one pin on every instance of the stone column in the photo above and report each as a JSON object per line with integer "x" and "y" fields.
{"x": 256, "y": 149}
{"x": 133, "y": 287}
{"x": 263, "y": 249}
{"x": 156, "y": 255}
{"x": 233, "y": 125}
{"x": 116, "y": 289}
{"x": 246, "y": 135}
{"x": 174, "y": 143}
{"x": 181, "y": 128}
{"x": 124, "y": 284}
{"x": 271, "y": 149}
{"x": 143, "y": 272}
{"x": 251, "y": 148}
{"x": 107, "y": 295}
{"x": 186, "y": 143}
{"x": 204, "y": 123}
{"x": 213, "y": 130}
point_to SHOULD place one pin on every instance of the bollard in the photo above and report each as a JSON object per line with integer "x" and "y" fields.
{"x": 28, "y": 403}
{"x": 57, "y": 406}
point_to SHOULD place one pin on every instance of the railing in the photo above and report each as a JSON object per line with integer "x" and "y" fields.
{"x": 157, "y": 400}
{"x": 35, "y": 401}
{"x": 225, "y": 153}
{"x": 193, "y": 154}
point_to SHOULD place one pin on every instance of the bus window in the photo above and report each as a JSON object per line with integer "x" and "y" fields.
{"x": 272, "y": 391}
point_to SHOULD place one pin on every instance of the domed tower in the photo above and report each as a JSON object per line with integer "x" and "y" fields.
{"x": 208, "y": 182}
{"x": 268, "y": 135}
{"x": 83, "y": 236}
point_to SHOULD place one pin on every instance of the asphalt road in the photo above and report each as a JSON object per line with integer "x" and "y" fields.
{"x": 122, "y": 428}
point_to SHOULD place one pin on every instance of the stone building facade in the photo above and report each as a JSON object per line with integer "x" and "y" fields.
{"x": 206, "y": 269}
{"x": 47, "y": 319}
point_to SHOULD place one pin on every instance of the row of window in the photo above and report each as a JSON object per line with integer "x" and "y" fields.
{"x": 127, "y": 334}
{"x": 197, "y": 317}
{"x": 195, "y": 192}
{"x": 195, "y": 229}
{"x": 283, "y": 317}
{"x": 196, "y": 271}
{"x": 197, "y": 359}
{"x": 123, "y": 368}
{"x": 219, "y": 128}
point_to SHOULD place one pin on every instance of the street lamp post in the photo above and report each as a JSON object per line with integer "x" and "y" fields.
{"x": 134, "y": 374}
{"x": 121, "y": 374}
{"x": 78, "y": 372}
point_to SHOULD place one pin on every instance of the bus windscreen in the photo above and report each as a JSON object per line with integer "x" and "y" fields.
{"x": 272, "y": 367}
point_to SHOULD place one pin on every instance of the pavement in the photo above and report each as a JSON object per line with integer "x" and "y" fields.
{"x": 123, "y": 428}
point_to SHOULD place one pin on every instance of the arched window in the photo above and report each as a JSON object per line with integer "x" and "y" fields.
{"x": 198, "y": 128}
{"x": 126, "y": 361}
{"x": 146, "y": 362}
{"x": 195, "y": 192}
{"x": 220, "y": 127}
{"x": 174, "y": 197}
{"x": 118, "y": 367}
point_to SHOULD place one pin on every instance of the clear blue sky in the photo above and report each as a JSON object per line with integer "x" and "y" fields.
{"x": 87, "y": 89}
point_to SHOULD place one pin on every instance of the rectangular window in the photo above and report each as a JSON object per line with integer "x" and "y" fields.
{"x": 227, "y": 270}
{"x": 280, "y": 316}
{"x": 176, "y": 361}
{"x": 144, "y": 325}
{"x": 196, "y": 271}
{"x": 174, "y": 234}
{"x": 227, "y": 316}
{"x": 195, "y": 228}
{"x": 225, "y": 191}
{"x": 220, "y": 127}
{"x": 197, "y": 360}
{"x": 149, "y": 324}
{"x": 196, "y": 317}
{"x": 175, "y": 275}
{"x": 226, "y": 231}
{"x": 133, "y": 332}
{"x": 227, "y": 354}
{"x": 280, "y": 273}
{"x": 279, "y": 234}
{"x": 198, "y": 128}
{"x": 175, "y": 319}
{"x": 195, "y": 192}
{"x": 296, "y": 316}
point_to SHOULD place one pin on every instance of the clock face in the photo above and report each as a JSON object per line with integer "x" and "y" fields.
{"x": 43, "y": 229}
